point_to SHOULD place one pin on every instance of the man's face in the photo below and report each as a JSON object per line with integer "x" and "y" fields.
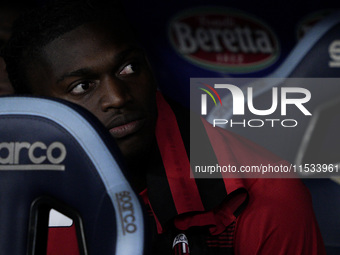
{"x": 102, "y": 69}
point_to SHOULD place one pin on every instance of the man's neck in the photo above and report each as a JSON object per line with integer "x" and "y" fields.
{"x": 139, "y": 167}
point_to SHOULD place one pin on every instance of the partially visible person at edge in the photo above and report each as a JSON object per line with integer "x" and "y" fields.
{"x": 88, "y": 54}
{"x": 9, "y": 11}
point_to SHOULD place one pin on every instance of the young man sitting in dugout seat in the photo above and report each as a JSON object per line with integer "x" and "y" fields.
{"x": 86, "y": 52}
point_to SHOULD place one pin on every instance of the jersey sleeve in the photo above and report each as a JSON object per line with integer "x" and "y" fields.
{"x": 279, "y": 219}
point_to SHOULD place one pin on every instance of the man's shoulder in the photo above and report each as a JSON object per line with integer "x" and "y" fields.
{"x": 279, "y": 191}
{"x": 221, "y": 139}
{"x": 244, "y": 151}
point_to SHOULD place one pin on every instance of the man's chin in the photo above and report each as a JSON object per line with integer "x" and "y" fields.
{"x": 131, "y": 149}
{"x": 136, "y": 149}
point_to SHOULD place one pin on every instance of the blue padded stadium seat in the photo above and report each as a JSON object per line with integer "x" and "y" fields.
{"x": 54, "y": 154}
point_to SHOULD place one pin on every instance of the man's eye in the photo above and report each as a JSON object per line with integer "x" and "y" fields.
{"x": 129, "y": 69}
{"x": 82, "y": 87}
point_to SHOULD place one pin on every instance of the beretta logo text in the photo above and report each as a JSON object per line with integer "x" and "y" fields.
{"x": 223, "y": 40}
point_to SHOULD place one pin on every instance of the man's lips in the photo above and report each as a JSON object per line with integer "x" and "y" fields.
{"x": 125, "y": 125}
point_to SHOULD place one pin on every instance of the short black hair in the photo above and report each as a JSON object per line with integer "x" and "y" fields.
{"x": 36, "y": 28}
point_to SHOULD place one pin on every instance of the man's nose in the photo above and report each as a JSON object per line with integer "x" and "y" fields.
{"x": 115, "y": 94}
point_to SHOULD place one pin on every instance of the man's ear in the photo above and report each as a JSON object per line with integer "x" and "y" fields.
{"x": 5, "y": 85}
{"x": 37, "y": 78}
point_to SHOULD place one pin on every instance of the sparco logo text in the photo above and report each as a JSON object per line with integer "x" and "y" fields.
{"x": 32, "y": 156}
{"x": 126, "y": 211}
